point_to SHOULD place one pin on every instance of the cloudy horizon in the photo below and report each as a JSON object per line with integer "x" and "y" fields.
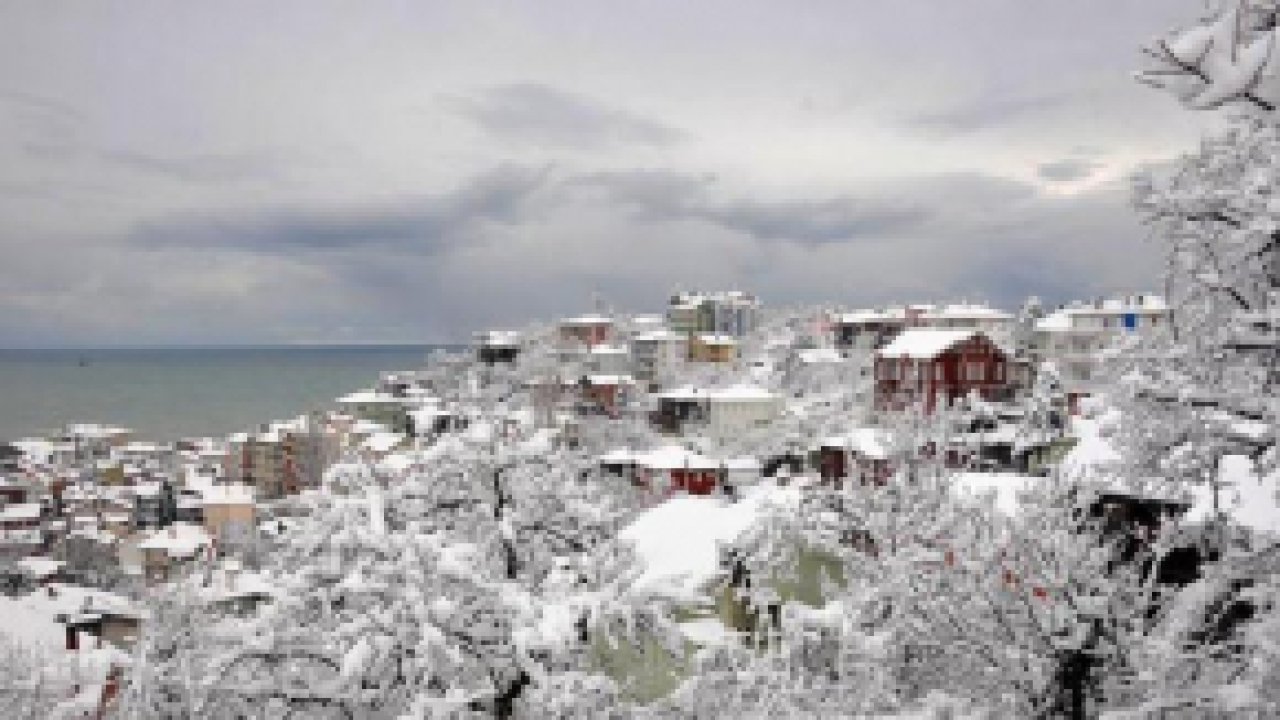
{"x": 398, "y": 172}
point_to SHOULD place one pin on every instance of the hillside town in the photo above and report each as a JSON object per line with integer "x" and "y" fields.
{"x": 712, "y": 399}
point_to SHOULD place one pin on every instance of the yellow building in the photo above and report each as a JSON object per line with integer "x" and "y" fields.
{"x": 713, "y": 348}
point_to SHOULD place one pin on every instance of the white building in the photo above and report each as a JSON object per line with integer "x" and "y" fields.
{"x": 1075, "y": 338}
{"x": 658, "y": 353}
{"x": 722, "y": 412}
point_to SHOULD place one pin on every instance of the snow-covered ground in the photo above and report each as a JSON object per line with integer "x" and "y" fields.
{"x": 678, "y": 541}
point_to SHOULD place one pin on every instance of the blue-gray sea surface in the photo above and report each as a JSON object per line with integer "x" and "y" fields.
{"x": 171, "y": 393}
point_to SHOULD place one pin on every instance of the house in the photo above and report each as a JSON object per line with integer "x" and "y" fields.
{"x": 586, "y": 330}
{"x": 15, "y": 491}
{"x": 720, "y": 412}
{"x": 11, "y": 457}
{"x": 607, "y": 393}
{"x": 103, "y": 616}
{"x": 713, "y": 348}
{"x": 154, "y": 503}
{"x": 382, "y": 407}
{"x": 868, "y": 330}
{"x": 962, "y": 316}
{"x": 497, "y": 346}
{"x": 667, "y": 470}
{"x": 1076, "y": 338}
{"x": 936, "y": 368}
{"x": 22, "y": 530}
{"x": 95, "y": 442}
{"x": 431, "y": 422}
{"x": 861, "y": 455}
{"x": 168, "y": 551}
{"x": 228, "y": 514}
{"x": 606, "y": 359}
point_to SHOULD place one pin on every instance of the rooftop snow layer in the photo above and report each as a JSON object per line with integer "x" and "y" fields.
{"x": 924, "y": 343}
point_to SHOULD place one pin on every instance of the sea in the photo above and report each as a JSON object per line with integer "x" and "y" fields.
{"x": 170, "y": 393}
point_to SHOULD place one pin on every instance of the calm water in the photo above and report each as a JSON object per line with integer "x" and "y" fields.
{"x": 165, "y": 394}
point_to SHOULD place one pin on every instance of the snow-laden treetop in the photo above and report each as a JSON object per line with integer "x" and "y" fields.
{"x": 1227, "y": 58}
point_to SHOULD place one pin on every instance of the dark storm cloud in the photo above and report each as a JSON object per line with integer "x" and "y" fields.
{"x": 655, "y": 195}
{"x": 1067, "y": 170}
{"x": 428, "y": 224}
{"x": 530, "y": 112}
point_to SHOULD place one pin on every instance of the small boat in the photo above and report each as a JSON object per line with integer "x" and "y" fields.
{"x": 83, "y": 362}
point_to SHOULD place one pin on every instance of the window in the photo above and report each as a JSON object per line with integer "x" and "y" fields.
{"x": 974, "y": 371}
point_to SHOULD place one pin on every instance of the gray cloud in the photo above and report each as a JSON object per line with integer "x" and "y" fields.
{"x": 425, "y": 224}
{"x": 302, "y": 176}
{"x": 1067, "y": 169}
{"x": 529, "y": 112}
{"x": 35, "y": 103}
{"x": 658, "y": 195}
{"x": 208, "y": 168}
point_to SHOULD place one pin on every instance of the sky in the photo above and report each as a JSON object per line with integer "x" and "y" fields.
{"x": 314, "y": 172}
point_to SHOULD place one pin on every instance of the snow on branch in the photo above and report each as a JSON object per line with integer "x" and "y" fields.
{"x": 1227, "y": 58}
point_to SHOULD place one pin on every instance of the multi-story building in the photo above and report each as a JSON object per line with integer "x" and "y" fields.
{"x": 733, "y": 313}
{"x": 1076, "y": 338}
{"x": 657, "y": 353}
{"x": 282, "y": 458}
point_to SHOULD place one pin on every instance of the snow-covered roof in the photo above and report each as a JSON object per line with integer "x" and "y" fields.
{"x": 924, "y": 343}
{"x": 814, "y": 356}
{"x": 735, "y": 393}
{"x": 93, "y": 431}
{"x": 610, "y": 380}
{"x": 586, "y": 320}
{"x": 712, "y": 339}
{"x": 40, "y": 567}
{"x": 1061, "y": 320}
{"x": 657, "y": 336}
{"x": 967, "y": 312}
{"x": 609, "y": 350}
{"x": 383, "y": 442}
{"x": 20, "y": 512}
{"x": 234, "y": 494}
{"x": 179, "y": 539}
{"x": 498, "y": 338}
{"x": 369, "y": 397}
{"x": 868, "y": 442}
{"x": 673, "y": 457}
{"x": 859, "y": 317}
{"x": 619, "y": 456}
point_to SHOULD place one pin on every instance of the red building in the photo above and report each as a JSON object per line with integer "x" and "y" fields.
{"x": 861, "y": 456}
{"x": 606, "y": 393}
{"x": 938, "y": 367}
